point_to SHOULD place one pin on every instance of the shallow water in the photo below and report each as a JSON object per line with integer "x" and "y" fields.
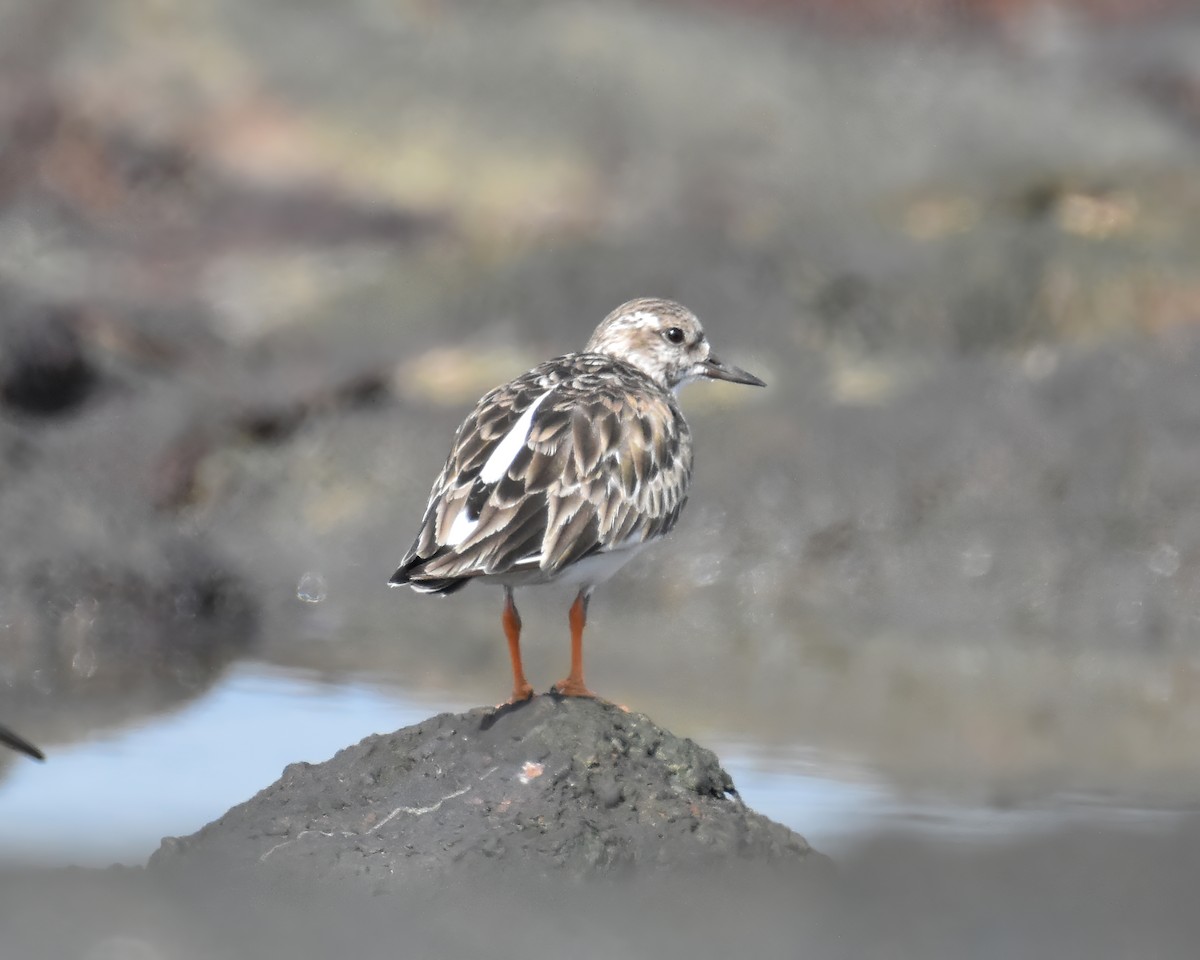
{"x": 112, "y": 798}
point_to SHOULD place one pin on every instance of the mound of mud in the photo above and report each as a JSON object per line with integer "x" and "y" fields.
{"x": 551, "y": 787}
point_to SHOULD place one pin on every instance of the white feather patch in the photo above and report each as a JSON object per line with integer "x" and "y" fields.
{"x": 461, "y": 528}
{"x": 495, "y": 467}
{"x": 507, "y": 449}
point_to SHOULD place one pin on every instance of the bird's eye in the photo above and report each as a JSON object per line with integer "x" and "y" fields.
{"x": 674, "y": 335}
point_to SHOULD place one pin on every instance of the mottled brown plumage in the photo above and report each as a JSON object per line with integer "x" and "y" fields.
{"x": 565, "y": 472}
{"x": 606, "y": 464}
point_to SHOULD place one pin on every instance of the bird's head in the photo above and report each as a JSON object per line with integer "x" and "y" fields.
{"x": 665, "y": 341}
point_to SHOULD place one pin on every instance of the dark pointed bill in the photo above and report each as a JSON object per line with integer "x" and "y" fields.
{"x": 10, "y": 739}
{"x": 716, "y": 369}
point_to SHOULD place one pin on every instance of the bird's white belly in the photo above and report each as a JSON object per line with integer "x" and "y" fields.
{"x": 590, "y": 571}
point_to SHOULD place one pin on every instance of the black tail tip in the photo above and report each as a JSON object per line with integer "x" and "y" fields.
{"x": 412, "y": 574}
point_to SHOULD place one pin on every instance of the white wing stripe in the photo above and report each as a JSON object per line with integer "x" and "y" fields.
{"x": 507, "y": 449}
{"x": 495, "y": 467}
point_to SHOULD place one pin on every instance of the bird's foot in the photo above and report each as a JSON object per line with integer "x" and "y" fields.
{"x": 521, "y": 693}
{"x": 572, "y": 687}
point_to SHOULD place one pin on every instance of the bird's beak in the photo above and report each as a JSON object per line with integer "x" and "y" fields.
{"x": 714, "y": 369}
{"x": 10, "y": 739}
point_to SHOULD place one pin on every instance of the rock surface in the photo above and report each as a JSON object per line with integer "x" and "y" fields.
{"x": 550, "y": 787}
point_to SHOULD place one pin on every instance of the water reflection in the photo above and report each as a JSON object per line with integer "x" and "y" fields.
{"x": 172, "y": 775}
{"x": 92, "y": 644}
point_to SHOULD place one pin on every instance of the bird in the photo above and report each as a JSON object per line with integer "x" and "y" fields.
{"x": 10, "y": 739}
{"x": 565, "y": 473}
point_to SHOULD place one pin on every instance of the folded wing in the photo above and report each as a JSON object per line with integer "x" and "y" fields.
{"x": 577, "y": 457}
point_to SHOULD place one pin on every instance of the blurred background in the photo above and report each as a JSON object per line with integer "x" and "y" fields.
{"x": 257, "y": 260}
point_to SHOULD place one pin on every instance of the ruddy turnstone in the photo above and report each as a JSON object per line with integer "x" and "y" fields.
{"x": 565, "y": 473}
{"x": 10, "y": 739}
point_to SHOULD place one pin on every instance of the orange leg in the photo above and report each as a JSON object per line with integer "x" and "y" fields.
{"x": 574, "y": 686}
{"x": 512, "y": 630}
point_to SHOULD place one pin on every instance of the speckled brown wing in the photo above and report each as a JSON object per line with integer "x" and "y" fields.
{"x": 605, "y": 465}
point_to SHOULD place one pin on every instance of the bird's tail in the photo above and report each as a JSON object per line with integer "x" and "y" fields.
{"x": 411, "y": 574}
